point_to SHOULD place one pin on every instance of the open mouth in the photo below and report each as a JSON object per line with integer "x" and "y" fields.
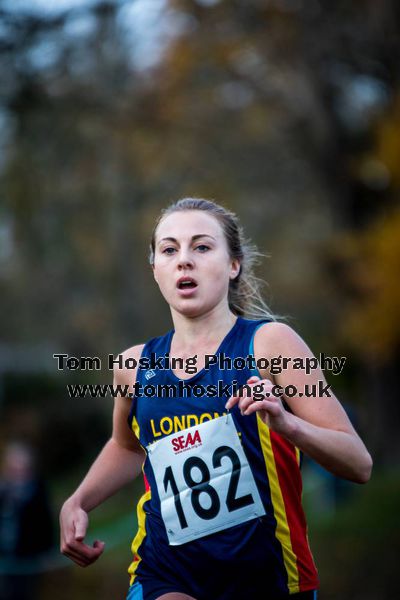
{"x": 186, "y": 283}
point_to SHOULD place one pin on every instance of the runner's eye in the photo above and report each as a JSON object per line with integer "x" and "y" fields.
{"x": 168, "y": 250}
{"x": 202, "y": 247}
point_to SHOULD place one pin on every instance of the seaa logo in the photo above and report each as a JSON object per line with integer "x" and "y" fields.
{"x": 186, "y": 442}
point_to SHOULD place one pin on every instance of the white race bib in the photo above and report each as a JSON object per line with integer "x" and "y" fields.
{"x": 204, "y": 480}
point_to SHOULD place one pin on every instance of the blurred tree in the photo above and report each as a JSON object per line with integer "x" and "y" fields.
{"x": 287, "y": 111}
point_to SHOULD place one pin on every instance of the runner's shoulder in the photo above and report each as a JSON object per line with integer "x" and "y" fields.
{"x": 276, "y": 338}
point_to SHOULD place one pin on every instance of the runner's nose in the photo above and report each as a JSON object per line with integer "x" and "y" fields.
{"x": 185, "y": 260}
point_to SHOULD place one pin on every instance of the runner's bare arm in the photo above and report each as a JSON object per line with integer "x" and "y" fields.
{"x": 319, "y": 425}
{"x": 118, "y": 463}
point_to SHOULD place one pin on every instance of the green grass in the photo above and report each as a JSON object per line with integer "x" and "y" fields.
{"x": 357, "y": 547}
{"x": 115, "y": 523}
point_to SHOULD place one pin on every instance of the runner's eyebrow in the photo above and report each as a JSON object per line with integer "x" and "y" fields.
{"x": 194, "y": 238}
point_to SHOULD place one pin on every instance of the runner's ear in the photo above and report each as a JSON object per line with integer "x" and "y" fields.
{"x": 235, "y": 268}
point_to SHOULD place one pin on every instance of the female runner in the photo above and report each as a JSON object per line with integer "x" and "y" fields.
{"x": 221, "y": 518}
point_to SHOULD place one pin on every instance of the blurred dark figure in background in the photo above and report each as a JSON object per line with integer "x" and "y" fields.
{"x": 26, "y": 524}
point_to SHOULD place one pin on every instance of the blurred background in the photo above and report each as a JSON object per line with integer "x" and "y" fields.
{"x": 285, "y": 111}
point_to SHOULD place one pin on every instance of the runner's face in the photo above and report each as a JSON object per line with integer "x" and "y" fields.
{"x": 191, "y": 262}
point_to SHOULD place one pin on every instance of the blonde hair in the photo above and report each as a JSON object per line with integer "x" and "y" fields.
{"x": 244, "y": 295}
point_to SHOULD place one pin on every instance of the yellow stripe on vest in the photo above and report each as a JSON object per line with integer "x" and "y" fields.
{"x": 136, "y": 428}
{"x": 298, "y": 455}
{"x": 141, "y": 534}
{"x": 282, "y": 526}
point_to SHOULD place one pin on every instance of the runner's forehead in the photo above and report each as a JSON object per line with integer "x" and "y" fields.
{"x": 184, "y": 226}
